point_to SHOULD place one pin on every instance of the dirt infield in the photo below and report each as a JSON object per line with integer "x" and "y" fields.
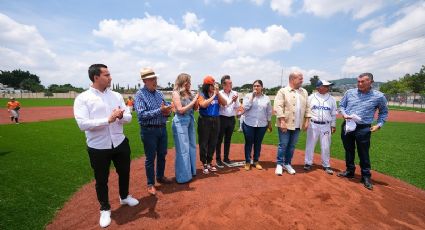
{"x": 34, "y": 114}
{"x": 237, "y": 199}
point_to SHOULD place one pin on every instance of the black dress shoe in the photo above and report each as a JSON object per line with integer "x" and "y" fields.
{"x": 346, "y": 174}
{"x": 367, "y": 183}
{"x": 164, "y": 180}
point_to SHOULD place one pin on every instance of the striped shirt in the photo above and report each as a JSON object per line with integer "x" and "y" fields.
{"x": 148, "y": 107}
{"x": 365, "y": 105}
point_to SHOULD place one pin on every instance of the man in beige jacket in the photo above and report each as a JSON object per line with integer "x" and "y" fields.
{"x": 292, "y": 115}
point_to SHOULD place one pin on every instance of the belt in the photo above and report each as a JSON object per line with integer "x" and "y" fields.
{"x": 320, "y": 122}
{"x": 226, "y": 117}
{"x": 208, "y": 117}
{"x": 153, "y": 126}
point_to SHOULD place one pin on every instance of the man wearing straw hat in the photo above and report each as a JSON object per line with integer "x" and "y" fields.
{"x": 153, "y": 112}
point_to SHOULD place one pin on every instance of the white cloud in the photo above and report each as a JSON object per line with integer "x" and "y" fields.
{"x": 257, "y": 2}
{"x": 409, "y": 25}
{"x": 391, "y": 62}
{"x": 256, "y": 42}
{"x": 371, "y": 24}
{"x": 22, "y": 46}
{"x": 283, "y": 7}
{"x": 397, "y": 46}
{"x": 166, "y": 38}
{"x": 358, "y": 8}
{"x": 191, "y": 21}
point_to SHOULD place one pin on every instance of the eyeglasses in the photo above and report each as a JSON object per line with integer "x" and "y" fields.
{"x": 256, "y": 85}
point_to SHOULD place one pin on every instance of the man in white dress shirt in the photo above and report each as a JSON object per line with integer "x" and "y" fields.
{"x": 101, "y": 113}
{"x": 322, "y": 125}
{"x": 228, "y": 113}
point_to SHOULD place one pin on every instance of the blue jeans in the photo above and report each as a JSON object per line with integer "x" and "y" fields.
{"x": 287, "y": 142}
{"x": 185, "y": 143}
{"x": 253, "y": 136}
{"x": 155, "y": 145}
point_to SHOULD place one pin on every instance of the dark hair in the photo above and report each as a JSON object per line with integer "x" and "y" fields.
{"x": 94, "y": 70}
{"x": 224, "y": 78}
{"x": 259, "y": 82}
{"x": 369, "y": 75}
{"x": 205, "y": 90}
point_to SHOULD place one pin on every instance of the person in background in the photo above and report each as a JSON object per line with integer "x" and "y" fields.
{"x": 153, "y": 112}
{"x": 292, "y": 115}
{"x": 184, "y": 128}
{"x": 258, "y": 114}
{"x": 101, "y": 113}
{"x": 13, "y": 107}
{"x": 240, "y": 114}
{"x": 209, "y": 101}
{"x": 130, "y": 103}
{"x": 227, "y": 121}
{"x": 362, "y": 103}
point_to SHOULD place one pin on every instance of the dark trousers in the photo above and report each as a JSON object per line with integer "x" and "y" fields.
{"x": 253, "y": 137}
{"x": 208, "y": 128}
{"x": 155, "y": 146}
{"x": 361, "y": 138}
{"x": 100, "y": 161}
{"x": 227, "y": 125}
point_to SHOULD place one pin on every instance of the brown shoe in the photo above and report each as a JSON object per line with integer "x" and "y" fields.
{"x": 258, "y": 166}
{"x": 152, "y": 190}
{"x": 164, "y": 180}
{"x": 247, "y": 166}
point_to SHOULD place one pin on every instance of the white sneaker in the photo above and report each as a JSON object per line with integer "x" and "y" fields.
{"x": 130, "y": 201}
{"x": 278, "y": 170}
{"x": 289, "y": 169}
{"x": 105, "y": 218}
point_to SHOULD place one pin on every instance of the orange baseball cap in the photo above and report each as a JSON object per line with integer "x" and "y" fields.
{"x": 209, "y": 80}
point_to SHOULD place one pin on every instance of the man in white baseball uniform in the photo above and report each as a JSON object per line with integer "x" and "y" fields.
{"x": 322, "y": 125}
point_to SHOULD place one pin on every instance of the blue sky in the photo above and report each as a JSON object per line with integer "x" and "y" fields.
{"x": 248, "y": 39}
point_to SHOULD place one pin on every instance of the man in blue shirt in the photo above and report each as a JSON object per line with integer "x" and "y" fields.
{"x": 363, "y": 102}
{"x": 153, "y": 112}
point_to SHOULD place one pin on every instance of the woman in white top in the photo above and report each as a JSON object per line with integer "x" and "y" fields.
{"x": 257, "y": 118}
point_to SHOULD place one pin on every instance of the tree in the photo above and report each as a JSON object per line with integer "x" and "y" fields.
{"x": 31, "y": 85}
{"x": 312, "y": 86}
{"x": 16, "y": 77}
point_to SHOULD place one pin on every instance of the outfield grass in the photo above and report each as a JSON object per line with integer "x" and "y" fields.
{"x": 405, "y": 108}
{"x": 37, "y": 102}
{"x": 44, "y": 163}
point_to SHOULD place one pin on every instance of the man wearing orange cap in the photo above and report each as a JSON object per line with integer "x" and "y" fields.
{"x": 209, "y": 122}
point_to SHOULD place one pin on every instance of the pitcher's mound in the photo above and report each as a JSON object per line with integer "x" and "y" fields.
{"x": 234, "y": 198}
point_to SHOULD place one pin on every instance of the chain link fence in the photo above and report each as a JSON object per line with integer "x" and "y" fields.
{"x": 409, "y": 100}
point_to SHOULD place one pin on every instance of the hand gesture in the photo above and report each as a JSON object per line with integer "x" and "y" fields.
{"x": 269, "y": 127}
{"x": 374, "y": 128}
{"x": 165, "y": 109}
{"x": 234, "y": 98}
{"x": 282, "y": 126}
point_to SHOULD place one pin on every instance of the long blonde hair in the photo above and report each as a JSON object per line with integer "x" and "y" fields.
{"x": 179, "y": 84}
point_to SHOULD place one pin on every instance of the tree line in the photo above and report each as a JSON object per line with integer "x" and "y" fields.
{"x": 414, "y": 83}
{"x": 27, "y": 81}
{"x": 409, "y": 83}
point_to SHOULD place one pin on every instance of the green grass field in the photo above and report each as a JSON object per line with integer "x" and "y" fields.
{"x": 44, "y": 163}
{"x": 44, "y": 102}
